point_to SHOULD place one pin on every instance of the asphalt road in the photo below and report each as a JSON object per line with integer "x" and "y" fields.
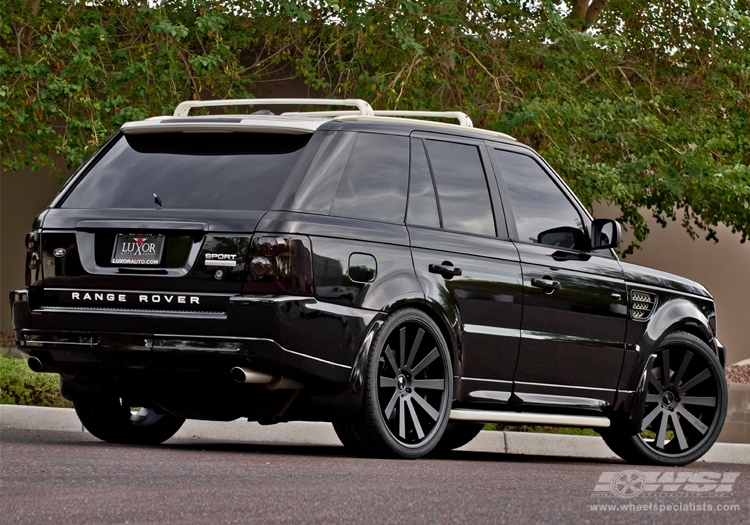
{"x": 67, "y": 477}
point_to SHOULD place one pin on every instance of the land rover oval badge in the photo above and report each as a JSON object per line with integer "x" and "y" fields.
{"x": 59, "y": 252}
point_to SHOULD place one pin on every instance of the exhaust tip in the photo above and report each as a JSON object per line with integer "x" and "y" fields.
{"x": 35, "y": 364}
{"x": 238, "y": 374}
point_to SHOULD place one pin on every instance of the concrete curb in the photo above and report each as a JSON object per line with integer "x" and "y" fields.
{"x": 305, "y": 433}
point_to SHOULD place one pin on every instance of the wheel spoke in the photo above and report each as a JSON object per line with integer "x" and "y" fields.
{"x": 391, "y": 405}
{"x": 430, "y": 384}
{"x": 426, "y": 361}
{"x": 695, "y": 381}
{"x": 425, "y": 406}
{"x": 386, "y": 382}
{"x": 697, "y": 423}
{"x": 662, "y": 435}
{"x": 653, "y": 398}
{"x": 401, "y": 418}
{"x": 650, "y": 417}
{"x": 665, "y": 370}
{"x": 678, "y": 432}
{"x": 652, "y": 379}
{"x": 414, "y": 348}
{"x": 415, "y": 420}
{"x": 402, "y": 346}
{"x": 683, "y": 366}
{"x": 702, "y": 401}
{"x": 391, "y": 359}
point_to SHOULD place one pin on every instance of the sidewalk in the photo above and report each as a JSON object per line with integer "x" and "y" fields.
{"x": 303, "y": 433}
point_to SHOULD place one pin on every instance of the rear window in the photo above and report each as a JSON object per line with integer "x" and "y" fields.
{"x": 229, "y": 171}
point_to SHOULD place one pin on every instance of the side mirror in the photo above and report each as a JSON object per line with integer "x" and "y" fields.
{"x": 563, "y": 237}
{"x": 605, "y": 233}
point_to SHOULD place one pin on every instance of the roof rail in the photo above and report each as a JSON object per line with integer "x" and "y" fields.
{"x": 463, "y": 119}
{"x": 184, "y": 108}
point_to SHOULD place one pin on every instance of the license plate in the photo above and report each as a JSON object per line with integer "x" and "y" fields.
{"x": 138, "y": 249}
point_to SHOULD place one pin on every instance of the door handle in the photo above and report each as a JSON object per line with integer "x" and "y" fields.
{"x": 546, "y": 284}
{"x": 446, "y": 269}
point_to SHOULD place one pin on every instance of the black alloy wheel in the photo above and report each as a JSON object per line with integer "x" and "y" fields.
{"x": 113, "y": 420}
{"x": 686, "y": 404}
{"x": 408, "y": 390}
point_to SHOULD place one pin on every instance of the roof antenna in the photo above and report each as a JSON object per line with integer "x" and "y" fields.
{"x": 157, "y": 200}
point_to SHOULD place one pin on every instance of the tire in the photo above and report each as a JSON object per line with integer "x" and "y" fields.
{"x": 113, "y": 422}
{"x": 408, "y": 390}
{"x": 690, "y": 402}
{"x": 456, "y": 435}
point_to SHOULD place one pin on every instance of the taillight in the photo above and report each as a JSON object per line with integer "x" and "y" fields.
{"x": 33, "y": 257}
{"x": 279, "y": 264}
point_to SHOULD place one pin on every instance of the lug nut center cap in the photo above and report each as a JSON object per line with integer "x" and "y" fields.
{"x": 667, "y": 399}
{"x": 401, "y": 382}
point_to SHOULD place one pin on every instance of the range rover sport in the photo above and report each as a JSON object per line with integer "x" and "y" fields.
{"x": 407, "y": 280}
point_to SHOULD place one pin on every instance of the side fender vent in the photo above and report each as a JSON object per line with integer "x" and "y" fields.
{"x": 642, "y": 305}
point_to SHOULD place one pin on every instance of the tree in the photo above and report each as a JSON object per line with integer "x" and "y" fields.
{"x": 636, "y": 103}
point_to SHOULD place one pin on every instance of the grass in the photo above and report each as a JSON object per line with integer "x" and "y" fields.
{"x": 20, "y": 386}
{"x": 540, "y": 428}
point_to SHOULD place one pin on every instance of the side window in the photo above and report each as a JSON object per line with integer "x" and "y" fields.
{"x": 543, "y": 213}
{"x": 463, "y": 194}
{"x": 374, "y": 182}
{"x": 423, "y": 210}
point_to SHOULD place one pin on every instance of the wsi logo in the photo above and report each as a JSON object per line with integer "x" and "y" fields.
{"x": 631, "y": 483}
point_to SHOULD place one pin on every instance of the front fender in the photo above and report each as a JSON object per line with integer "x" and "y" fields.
{"x": 671, "y": 316}
{"x": 674, "y": 314}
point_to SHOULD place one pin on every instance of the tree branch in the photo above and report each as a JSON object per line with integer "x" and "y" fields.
{"x": 579, "y": 10}
{"x": 594, "y": 10}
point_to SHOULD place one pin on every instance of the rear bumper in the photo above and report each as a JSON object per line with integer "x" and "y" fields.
{"x": 299, "y": 337}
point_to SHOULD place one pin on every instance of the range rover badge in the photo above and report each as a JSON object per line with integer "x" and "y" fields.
{"x": 59, "y": 252}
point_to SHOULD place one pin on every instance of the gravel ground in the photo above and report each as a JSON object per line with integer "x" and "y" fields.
{"x": 738, "y": 374}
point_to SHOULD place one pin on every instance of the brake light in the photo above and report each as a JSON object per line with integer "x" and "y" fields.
{"x": 33, "y": 258}
{"x": 279, "y": 264}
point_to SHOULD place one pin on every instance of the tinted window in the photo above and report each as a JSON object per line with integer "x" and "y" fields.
{"x": 543, "y": 213}
{"x": 233, "y": 171}
{"x": 462, "y": 188}
{"x": 374, "y": 182}
{"x": 318, "y": 188}
{"x": 423, "y": 210}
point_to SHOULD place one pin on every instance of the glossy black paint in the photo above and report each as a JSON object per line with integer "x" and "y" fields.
{"x": 572, "y": 336}
{"x": 483, "y": 305}
{"x": 517, "y": 344}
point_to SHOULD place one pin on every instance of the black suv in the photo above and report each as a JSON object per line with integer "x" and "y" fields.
{"x": 404, "y": 279}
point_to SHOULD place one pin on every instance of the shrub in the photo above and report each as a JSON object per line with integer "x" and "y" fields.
{"x": 20, "y": 386}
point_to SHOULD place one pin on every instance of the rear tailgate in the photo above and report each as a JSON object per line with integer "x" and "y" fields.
{"x": 155, "y": 236}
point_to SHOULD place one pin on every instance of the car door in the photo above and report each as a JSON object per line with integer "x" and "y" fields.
{"x": 464, "y": 261}
{"x": 575, "y": 301}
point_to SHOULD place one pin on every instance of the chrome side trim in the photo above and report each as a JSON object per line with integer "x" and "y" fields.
{"x": 487, "y": 416}
{"x": 566, "y": 401}
{"x": 486, "y": 380}
{"x": 576, "y": 387}
{"x": 561, "y": 338}
{"x": 491, "y": 330}
{"x": 492, "y": 395}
